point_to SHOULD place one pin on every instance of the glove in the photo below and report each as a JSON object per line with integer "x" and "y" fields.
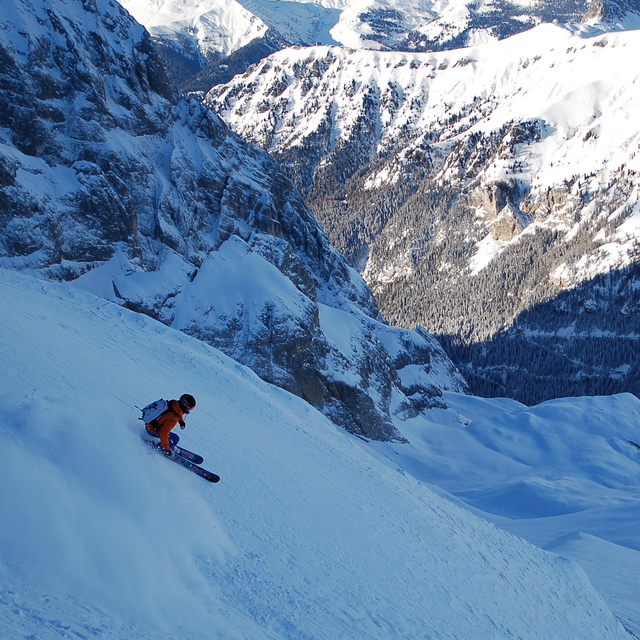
{"x": 182, "y": 424}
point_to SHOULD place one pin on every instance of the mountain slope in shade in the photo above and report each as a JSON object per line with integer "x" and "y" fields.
{"x": 111, "y": 180}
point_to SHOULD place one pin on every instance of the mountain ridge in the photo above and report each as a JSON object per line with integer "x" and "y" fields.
{"x": 436, "y": 173}
{"x": 206, "y": 43}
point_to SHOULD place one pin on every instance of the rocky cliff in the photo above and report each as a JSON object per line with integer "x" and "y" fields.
{"x": 113, "y": 181}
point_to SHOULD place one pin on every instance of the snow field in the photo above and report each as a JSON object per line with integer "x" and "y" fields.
{"x": 562, "y": 474}
{"x": 306, "y": 536}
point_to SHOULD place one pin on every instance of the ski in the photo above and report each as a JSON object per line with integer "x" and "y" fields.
{"x": 185, "y": 453}
{"x": 196, "y": 458}
{"x": 198, "y": 470}
{"x": 192, "y": 463}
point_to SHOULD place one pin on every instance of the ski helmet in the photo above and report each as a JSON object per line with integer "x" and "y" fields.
{"x": 187, "y": 402}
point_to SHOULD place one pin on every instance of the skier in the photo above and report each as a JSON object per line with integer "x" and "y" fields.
{"x": 161, "y": 427}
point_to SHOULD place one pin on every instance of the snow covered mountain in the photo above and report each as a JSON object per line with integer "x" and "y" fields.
{"x": 216, "y": 39}
{"x": 311, "y": 533}
{"x": 489, "y": 194}
{"x": 111, "y": 180}
{"x": 115, "y": 184}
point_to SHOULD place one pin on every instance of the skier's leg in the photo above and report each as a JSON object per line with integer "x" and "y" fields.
{"x": 149, "y": 436}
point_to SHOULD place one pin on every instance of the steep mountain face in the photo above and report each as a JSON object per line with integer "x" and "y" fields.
{"x": 489, "y": 194}
{"x": 199, "y": 38}
{"x": 111, "y": 180}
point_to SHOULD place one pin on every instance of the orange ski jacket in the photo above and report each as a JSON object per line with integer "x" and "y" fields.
{"x": 163, "y": 425}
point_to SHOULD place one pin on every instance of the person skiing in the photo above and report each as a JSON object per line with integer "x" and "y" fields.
{"x": 162, "y": 425}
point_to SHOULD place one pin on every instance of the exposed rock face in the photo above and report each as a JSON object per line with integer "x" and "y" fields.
{"x": 112, "y": 180}
{"x": 468, "y": 211}
{"x": 610, "y": 10}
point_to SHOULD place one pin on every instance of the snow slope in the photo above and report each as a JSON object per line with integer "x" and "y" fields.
{"x": 306, "y": 536}
{"x": 563, "y": 474}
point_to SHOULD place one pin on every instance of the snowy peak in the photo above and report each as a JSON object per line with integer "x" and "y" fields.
{"x": 217, "y": 26}
{"x": 208, "y": 43}
{"x": 223, "y": 27}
